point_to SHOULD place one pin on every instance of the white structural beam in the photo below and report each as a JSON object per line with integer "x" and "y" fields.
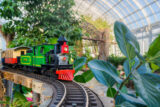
{"x": 111, "y": 7}
{"x": 88, "y": 8}
{"x": 133, "y": 8}
{"x": 150, "y": 8}
{"x": 143, "y": 11}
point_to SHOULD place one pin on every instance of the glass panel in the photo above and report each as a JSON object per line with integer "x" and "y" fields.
{"x": 130, "y": 8}
{"x": 133, "y": 3}
{"x": 151, "y": 19}
{"x": 110, "y": 2}
{"x": 155, "y": 7}
{"x": 123, "y": 9}
{"x": 148, "y": 10}
{"x": 142, "y": 3}
{"x": 158, "y": 16}
{"x": 149, "y": 1}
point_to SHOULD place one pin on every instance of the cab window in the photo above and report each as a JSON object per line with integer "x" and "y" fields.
{"x": 42, "y": 50}
{"x": 22, "y": 52}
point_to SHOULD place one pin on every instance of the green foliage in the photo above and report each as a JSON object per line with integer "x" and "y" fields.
{"x": 153, "y": 54}
{"x": 148, "y": 88}
{"x": 25, "y": 90}
{"x": 123, "y": 90}
{"x": 136, "y": 68}
{"x": 79, "y": 63}
{"x": 154, "y": 67}
{"x": 111, "y": 92}
{"x": 124, "y": 38}
{"x": 104, "y": 72}
{"x": 99, "y": 23}
{"x": 39, "y": 21}
{"x": 87, "y": 54}
{"x": 126, "y": 98}
{"x": 116, "y": 60}
{"x": 84, "y": 77}
{"x": 18, "y": 101}
{"x": 72, "y": 54}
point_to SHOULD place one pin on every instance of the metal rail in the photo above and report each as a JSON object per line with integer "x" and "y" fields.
{"x": 66, "y": 94}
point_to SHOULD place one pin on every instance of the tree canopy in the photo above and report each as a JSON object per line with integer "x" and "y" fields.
{"x": 34, "y": 22}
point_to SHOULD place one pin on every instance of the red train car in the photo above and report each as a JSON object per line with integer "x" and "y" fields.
{"x": 10, "y": 55}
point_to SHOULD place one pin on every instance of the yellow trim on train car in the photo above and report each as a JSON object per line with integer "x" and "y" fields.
{"x": 38, "y": 56}
{"x": 36, "y": 65}
{"x": 29, "y": 60}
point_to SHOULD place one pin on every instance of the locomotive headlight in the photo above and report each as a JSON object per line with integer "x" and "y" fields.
{"x": 64, "y": 58}
{"x": 65, "y": 49}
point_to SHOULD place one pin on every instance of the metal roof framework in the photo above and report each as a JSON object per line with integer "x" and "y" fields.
{"x": 141, "y": 16}
{"x": 134, "y": 13}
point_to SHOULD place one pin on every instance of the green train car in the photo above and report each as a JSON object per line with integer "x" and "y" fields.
{"x": 36, "y": 56}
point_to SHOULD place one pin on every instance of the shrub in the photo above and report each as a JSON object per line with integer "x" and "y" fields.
{"x": 116, "y": 60}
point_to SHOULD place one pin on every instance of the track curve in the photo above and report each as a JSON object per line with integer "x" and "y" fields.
{"x": 66, "y": 94}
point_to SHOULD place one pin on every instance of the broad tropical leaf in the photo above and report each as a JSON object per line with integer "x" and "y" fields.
{"x": 126, "y": 68}
{"x": 104, "y": 72}
{"x": 120, "y": 99}
{"x": 111, "y": 92}
{"x": 142, "y": 69}
{"x": 148, "y": 87}
{"x": 127, "y": 42}
{"x": 126, "y": 104}
{"x": 78, "y": 63}
{"x": 153, "y": 54}
{"x": 123, "y": 89}
{"x": 85, "y": 77}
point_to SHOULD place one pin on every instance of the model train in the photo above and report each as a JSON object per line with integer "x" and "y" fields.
{"x": 46, "y": 59}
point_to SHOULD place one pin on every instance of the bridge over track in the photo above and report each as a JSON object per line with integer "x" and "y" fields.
{"x": 57, "y": 93}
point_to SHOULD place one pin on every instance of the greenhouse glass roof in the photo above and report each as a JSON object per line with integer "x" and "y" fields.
{"x": 134, "y": 13}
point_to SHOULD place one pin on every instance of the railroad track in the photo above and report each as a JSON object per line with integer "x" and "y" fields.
{"x": 66, "y": 94}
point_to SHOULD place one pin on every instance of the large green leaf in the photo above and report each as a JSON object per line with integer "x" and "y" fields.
{"x": 127, "y": 42}
{"x": 104, "y": 72}
{"x": 120, "y": 99}
{"x": 142, "y": 69}
{"x": 111, "y": 92}
{"x": 148, "y": 87}
{"x": 78, "y": 63}
{"x": 85, "y": 77}
{"x": 153, "y": 54}
{"x": 126, "y": 104}
{"x": 123, "y": 89}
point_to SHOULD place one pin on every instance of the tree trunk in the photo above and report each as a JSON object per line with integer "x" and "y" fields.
{"x": 104, "y": 46}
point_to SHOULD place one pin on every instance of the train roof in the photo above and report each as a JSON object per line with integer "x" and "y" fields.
{"x": 17, "y": 48}
{"x": 42, "y": 45}
{"x": 22, "y": 47}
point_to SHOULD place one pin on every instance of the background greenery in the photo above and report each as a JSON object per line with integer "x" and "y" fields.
{"x": 33, "y": 22}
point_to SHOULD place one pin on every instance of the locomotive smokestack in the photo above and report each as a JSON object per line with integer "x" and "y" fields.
{"x": 61, "y": 40}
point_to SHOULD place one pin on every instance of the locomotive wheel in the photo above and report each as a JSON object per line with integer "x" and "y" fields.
{"x": 43, "y": 71}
